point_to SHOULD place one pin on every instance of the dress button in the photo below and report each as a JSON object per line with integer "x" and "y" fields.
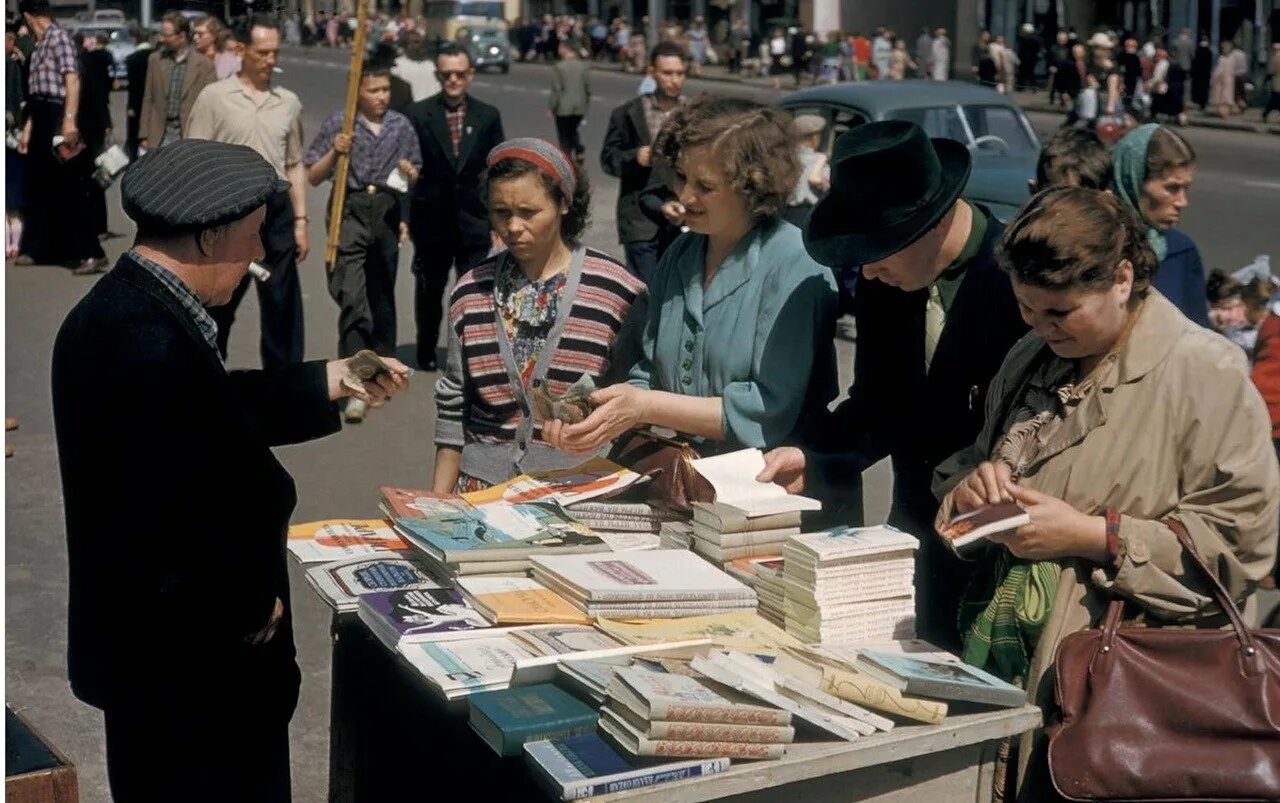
{"x": 687, "y": 364}
{"x": 688, "y": 345}
{"x": 686, "y": 380}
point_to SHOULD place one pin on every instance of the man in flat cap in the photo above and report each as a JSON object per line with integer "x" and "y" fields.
{"x": 935, "y": 317}
{"x": 176, "y": 510}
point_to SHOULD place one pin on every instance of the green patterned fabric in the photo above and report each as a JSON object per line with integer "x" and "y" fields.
{"x": 1004, "y": 612}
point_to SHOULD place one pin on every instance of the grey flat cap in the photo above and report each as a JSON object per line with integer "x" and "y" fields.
{"x": 196, "y": 184}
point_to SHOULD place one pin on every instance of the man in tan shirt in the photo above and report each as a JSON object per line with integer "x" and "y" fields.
{"x": 246, "y": 109}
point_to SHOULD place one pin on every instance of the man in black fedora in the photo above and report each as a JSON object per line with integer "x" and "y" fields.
{"x": 935, "y": 318}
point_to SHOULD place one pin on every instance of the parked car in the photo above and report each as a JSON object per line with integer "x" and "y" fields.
{"x": 488, "y": 45}
{"x": 120, "y": 43}
{"x": 997, "y": 133}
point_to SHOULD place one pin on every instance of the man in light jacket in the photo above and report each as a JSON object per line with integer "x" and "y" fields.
{"x": 570, "y": 98}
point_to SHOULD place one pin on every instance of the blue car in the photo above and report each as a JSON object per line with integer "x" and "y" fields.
{"x": 1004, "y": 146}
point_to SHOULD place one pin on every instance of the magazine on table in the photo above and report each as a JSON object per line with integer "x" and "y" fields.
{"x": 594, "y": 479}
{"x": 340, "y": 539}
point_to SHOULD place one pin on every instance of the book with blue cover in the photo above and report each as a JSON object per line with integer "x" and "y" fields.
{"x": 509, "y": 718}
{"x": 499, "y": 531}
{"x": 581, "y": 766}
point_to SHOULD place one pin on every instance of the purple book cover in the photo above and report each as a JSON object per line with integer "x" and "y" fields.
{"x": 420, "y": 611}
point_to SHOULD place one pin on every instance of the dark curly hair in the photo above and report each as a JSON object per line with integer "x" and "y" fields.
{"x": 574, "y": 221}
{"x": 1074, "y": 237}
{"x": 752, "y": 143}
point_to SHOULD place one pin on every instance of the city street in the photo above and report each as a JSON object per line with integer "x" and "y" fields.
{"x": 1233, "y": 217}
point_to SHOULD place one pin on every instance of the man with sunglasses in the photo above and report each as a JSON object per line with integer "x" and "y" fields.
{"x": 447, "y": 217}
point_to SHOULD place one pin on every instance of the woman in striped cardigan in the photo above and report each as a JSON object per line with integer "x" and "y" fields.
{"x": 541, "y": 314}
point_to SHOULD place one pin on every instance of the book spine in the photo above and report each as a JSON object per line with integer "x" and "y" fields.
{"x": 651, "y": 779}
{"x": 717, "y": 714}
{"x": 660, "y": 747}
{"x": 720, "y": 732}
{"x": 662, "y": 613}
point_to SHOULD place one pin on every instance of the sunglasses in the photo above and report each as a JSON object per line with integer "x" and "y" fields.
{"x": 448, "y": 75}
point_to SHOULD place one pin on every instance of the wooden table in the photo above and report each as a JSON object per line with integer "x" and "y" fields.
{"x": 34, "y": 772}
{"x": 392, "y": 738}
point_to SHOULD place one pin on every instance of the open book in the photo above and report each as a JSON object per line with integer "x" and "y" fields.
{"x": 978, "y": 523}
{"x": 733, "y": 476}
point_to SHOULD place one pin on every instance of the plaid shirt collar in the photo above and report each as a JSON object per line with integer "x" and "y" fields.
{"x": 190, "y": 302}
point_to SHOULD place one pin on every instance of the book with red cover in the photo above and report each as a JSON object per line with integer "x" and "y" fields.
{"x": 981, "y": 522}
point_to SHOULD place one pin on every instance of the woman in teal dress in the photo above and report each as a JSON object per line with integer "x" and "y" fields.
{"x": 738, "y": 345}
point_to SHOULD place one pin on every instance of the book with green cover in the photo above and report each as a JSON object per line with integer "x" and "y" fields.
{"x": 509, "y": 718}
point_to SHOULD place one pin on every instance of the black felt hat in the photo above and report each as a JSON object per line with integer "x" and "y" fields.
{"x": 890, "y": 184}
{"x": 196, "y": 184}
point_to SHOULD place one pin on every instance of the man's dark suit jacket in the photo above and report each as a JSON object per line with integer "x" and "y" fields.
{"x": 135, "y": 70}
{"x": 176, "y": 509}
{"x": 895, "y": 409}
{"x": 447, "y": 208}
{"x": 628, "y": 133}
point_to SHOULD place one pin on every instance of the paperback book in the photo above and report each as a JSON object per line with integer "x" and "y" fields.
{"x": 938, "y": 674}
{"x": 967, "y": 529}
{"x": 418, "y": 614}
{"x": 342, "y": 583}
{"x": 597, "y": 478}
{"x": 658, "y": 575}
{"x": 460, "y": 667}
{"x": 582, "y": 766}
{"x": 632, "y": 741}
{"x": 518, "y": 601}
{"x": 733, "y": 476}
{"x": 500, "y": 532}
{"x": 509, "y": 718}
{"x": 340, "y": 539}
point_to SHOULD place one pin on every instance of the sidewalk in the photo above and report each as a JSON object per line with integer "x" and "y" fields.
{"x": 1250, "y": 121}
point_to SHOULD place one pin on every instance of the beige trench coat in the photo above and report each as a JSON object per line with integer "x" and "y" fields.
{"x": 1175, "y": 429}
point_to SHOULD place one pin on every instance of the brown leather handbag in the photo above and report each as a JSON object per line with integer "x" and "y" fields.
{"x": 668, "y": 462}
{"x": 1168, "y": 714}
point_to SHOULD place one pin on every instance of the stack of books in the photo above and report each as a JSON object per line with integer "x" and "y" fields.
{"x": 850, "y": 585}
{"x": 622, "y": 517}
{"x": 653, "y": 713}
{"x": 461, "y": 539}
{"x": 765, "y": 575}
{"x": 723, "y": 533}
{"x": 657, "y": 584}
{"x": 675, "y": 535}
{"x": 581, "y": 766}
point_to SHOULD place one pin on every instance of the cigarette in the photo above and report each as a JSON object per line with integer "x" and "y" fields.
{"x": 260, "y": 273}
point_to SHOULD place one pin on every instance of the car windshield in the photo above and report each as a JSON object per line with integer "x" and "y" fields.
{"x": 488, "y": 37}
{"x": 991, "y": 125}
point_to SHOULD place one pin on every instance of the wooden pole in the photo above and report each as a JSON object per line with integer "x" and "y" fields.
{"x": 339, "y": 196}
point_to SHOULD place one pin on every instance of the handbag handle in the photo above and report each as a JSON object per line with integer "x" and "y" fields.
{"x": 1252, "y": 660}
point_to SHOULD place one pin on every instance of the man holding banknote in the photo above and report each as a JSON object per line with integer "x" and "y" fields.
{"x": 179, "y": 623}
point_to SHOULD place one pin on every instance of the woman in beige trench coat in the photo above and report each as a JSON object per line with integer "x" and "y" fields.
{"x": 1115, "y": 403}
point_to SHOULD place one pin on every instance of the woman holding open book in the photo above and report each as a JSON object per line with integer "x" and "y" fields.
{"x": 1114, "y": 419}
{"x": 738, "y": 345}
{"x": 528, "y": 323}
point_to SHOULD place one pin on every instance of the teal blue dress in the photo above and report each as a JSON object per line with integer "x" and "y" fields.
{"x": 759, "y": 337}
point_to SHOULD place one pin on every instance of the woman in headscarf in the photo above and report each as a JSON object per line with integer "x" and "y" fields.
{"x": 1153, "y": 169}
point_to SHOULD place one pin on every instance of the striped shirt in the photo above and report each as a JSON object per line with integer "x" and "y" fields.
{"x": 54, "y": 57}
{"x": 373, "y": 156}
{"x": 475, "y": 400}
{"x": 189, "y": 300}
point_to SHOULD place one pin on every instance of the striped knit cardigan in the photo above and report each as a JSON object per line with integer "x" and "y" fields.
{"x": 478, "y": 410}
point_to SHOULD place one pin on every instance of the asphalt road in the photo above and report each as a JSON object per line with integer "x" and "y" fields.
{"x": 1233, "y": 217}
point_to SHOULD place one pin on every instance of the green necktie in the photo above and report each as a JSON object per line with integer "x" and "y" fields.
{"x": 934, "y": 319}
